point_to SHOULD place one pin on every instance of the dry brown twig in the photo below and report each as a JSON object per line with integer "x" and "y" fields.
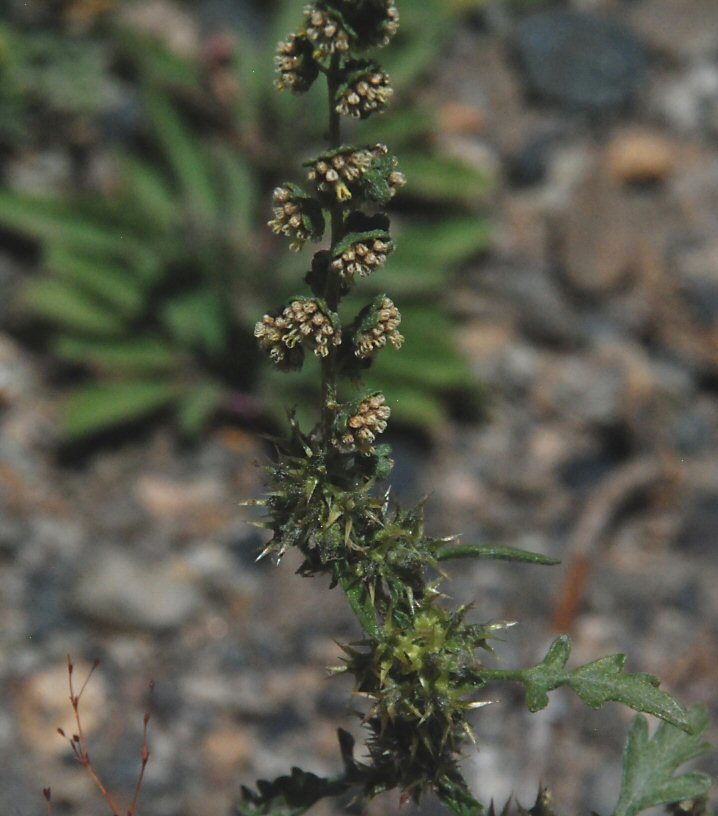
{"x": 80, "y": 749}
{"x": 603, "y": 507}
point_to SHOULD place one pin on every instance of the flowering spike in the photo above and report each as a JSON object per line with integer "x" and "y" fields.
{"x": 416, "y": 670}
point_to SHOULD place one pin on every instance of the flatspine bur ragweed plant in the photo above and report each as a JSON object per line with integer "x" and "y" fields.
{"x": 418, "y": 668}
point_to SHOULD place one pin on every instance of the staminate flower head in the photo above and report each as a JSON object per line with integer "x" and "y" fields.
{"x": 270, "y": 333}
{"x": 296, "y": 66}
{"x": 378, "y": 326}
{"x": 380, "y": 22}
{"x": 366, "y": 90}
{"x": 369, "y": 171}
{"x": 335, "y": 170}
{"x": 361, "y": 254}
{"x": 326, "y": 30}
{"x": 296, "y": 215}
{"x": 304, "y": 322}
{"x": 362, "y": 421}
{"x": 372, "y": 22}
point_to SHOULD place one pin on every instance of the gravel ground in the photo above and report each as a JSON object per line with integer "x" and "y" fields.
{"x": 593, "y": 323}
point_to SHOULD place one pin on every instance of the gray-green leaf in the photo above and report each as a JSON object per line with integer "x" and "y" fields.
{"x": 595, "y": 683}
{"x": 649, "y": 765}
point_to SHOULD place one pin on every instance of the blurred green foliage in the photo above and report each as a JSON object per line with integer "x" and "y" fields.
{"x": 45, "y": 78}
{"x": 150, "y": 292}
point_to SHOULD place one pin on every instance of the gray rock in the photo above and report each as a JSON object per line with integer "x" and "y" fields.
{"x": 118, "y": 591}
{"x": 579, "y": 61}
{"x": 689, "y": 102}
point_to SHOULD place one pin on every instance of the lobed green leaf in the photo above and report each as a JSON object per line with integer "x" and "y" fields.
{"x": 596, "y": 683}
{"x": 649, "y": 764}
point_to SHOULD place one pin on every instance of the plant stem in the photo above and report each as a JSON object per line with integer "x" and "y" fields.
{"x": 332, "y": 296}
{"x": 491, "y": 675}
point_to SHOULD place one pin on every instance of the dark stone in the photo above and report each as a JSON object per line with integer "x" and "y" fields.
{"x": 246, "y": 548}
{"x": 527, "y": 167}
{"x": 700, "y": 532}
{"x": 237, "y": 15}
{"x": 585, "y": 472}
{"x": 702, "y": 295}
{"x": 122, "y": 122}
{"x": 689, "y": 599}
{"x": 282, "y": 721}
{"x": 409, "y": 462}
{"x": 46, "y": 611}
{"x": 579, "y": 61}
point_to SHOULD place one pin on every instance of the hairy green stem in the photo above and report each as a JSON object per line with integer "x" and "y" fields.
{"x": 493, "y": 675}
{"x": 332, "y": 294}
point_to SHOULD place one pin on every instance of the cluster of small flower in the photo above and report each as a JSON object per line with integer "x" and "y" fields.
{"x": 304, "y": 321}
{"x": 367, "y": 91}
{"x": 289, "y": 217}
{"x": 369, "y": 340}
{"x": 325, "y": 31}
{"x": 369, "y": 420}
{"x": 361, "y": 258}
{"x": 335, "y": 170}
{"x": 389, "y": 26}
{"x": 294, "y": 62}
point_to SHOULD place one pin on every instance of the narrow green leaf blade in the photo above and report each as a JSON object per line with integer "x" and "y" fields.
{"x": 443, "y": 179}
{"x": 96, "y": 408}
{"x": 185, "y": 157}
{"x": 446, "y": 243}
{"x": 241, "y": 195}
{"x": 494, "y": 553}
{"x": 48, "y": 220}
{"x": 62, "y": 304}
{"x": 110, "y": 283}
{"x": 198, "y": 320}
{"x": 142, "y": 356}
{"x": 197, "y": 407}
{"x": 649, "y": 765}
{"x": 149, "y": 191}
